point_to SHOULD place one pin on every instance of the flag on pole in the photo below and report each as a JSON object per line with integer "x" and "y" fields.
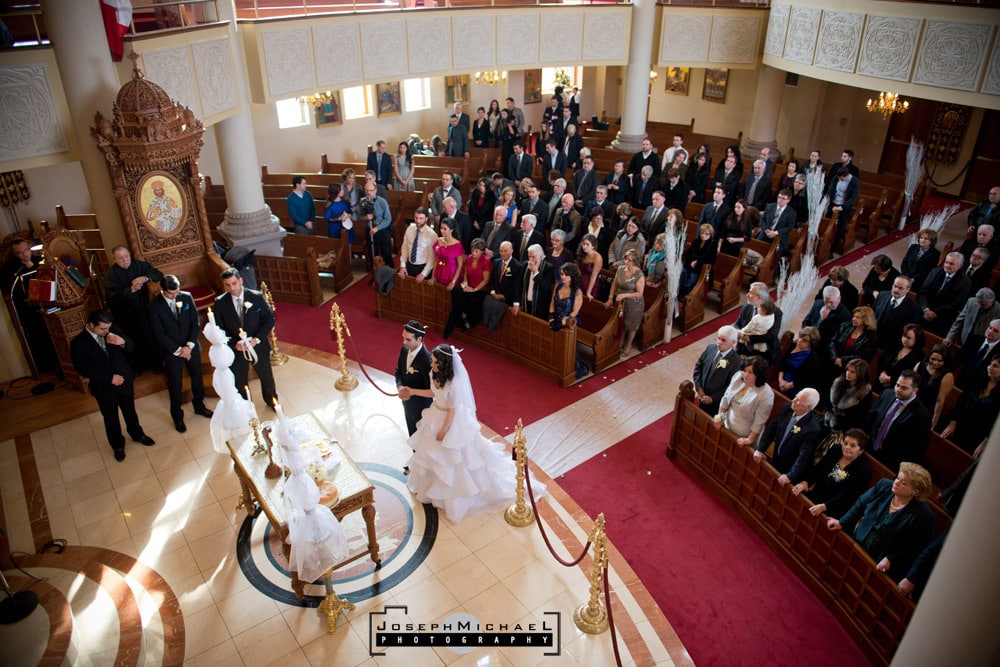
{"x": 117, "y": 17}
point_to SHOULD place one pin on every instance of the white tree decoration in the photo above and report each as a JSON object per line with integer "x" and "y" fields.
{"x": 914, "y": 168}
{"x": 674, "y": 247}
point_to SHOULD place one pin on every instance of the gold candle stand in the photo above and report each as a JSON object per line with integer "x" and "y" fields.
{"x": 278, "y": 358}
{"x": 338, "y": 325}
{"x": 332, "y": 605}
{"x": 520, "y": 513}
{"x": 592, "y": 616}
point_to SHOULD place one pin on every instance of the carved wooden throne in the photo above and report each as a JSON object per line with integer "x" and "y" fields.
{"x": 152, "y": 146}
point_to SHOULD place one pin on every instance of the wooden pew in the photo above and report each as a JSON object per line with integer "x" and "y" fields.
{"x": 654, "y": 314}
{"x": 850, "y": 232}
{"x": 292, "y": 279}
{"x": 727, "y": 278}
{"x": 765, "y": 271}
{"x": 865, "y": 601}
{"x": 598, "y": 330}
{"x": 692, "y": 306}
{"x": 824, "y": 248}
{"x": 522, "y": 339}
{"x": 299, "y": 245}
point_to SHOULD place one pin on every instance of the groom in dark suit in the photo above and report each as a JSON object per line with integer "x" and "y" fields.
{"x": 245, "y": 310}
{"x": 413, "y": 371}
{"x": 99, "y": 355}
{"x": 175, "y": 324}
{"x": 795, "y": 433}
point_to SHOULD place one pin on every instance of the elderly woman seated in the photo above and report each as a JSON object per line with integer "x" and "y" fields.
{"x": 746, "y": 405}
{"x": 891, "y": 521}
{"x": 840, "y": 477}
{"x": 800, "y": 368}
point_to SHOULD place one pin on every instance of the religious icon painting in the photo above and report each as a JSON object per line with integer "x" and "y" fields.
{"x": 327, "y": 109}
{"x": 456, "y": 89}
{"x": 161, "y": 203}
{"x": 714, "y": 89}
{"x": 389, "y": 102}
{"x": 678, "y": 79}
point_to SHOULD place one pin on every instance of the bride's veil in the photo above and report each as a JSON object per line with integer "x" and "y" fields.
{"x": 464, "y": 398}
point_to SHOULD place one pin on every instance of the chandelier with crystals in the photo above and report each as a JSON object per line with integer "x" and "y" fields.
{"x": 493, "y": 78}
{"x": 887, "y": 104}
{"x": 317, "y": 98}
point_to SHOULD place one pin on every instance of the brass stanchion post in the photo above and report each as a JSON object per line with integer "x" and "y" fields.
{"x": 338, "y": 325}
{"x": 520, "y": 513}
{"x": 592, "y": 616}
{"x": 332, "y": 605}
{"x": 278, "y": 357}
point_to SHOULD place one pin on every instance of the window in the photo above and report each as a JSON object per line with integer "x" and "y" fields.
{"x": 357, "y": 102}
{"x": 575, "y": 75}
{"x": 416, "y": 94}
{"x": 293, "y": 112}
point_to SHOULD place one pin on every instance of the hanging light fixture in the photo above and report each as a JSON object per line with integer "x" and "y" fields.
{"x": 887, "y": 104}
{"x": 317, "y": 99}
{"x": 493, "y": 78}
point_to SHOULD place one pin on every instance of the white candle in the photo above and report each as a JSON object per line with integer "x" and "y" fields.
{"x": 211, "y": 317}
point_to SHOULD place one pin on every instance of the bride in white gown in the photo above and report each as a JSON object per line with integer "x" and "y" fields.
{"x": 454, "y": 467}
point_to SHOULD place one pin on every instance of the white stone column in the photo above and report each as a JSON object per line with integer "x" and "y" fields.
{"x": 766, "y": 108}
{"x": 88, "y": 77}
{"x": 956, "y": 620}
{"x": 640, "y": 52}
{"x": 249, "y": 221}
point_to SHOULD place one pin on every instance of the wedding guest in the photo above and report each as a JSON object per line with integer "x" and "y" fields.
{"x": 746, "y": 404}
{"x": 841, "y": 476}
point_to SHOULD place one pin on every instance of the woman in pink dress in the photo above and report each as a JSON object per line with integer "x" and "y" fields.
{"x": 590, "y": 263}
{"x": 450, "y": 257}
{"x": 467, "y": 298}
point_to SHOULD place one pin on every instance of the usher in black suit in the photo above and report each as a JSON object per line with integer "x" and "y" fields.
{"x": 176, "y": 328}
{"x": 257, "y": 320}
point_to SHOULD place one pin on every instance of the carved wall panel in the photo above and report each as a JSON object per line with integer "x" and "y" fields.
{"x": 952, "y": 54}
{"x": 29, "y": 119}
{"x": 381, "y": 52}
{"x": 777, "y": 26}
{"x": 285, "y": 52}
{"x": 734, "y": 39}
{"x": 803, "y": 26}
{"x": 562, "y": 36}
{"x": 991, "y": 84}
{"x": 337, "y": 54}
{"x": 519, "y": 44}
{"x": 684, "y": 38}
{"x": 426, "y": 44}
{"x": 604, "y": 36}
{"x": 213, "y": 63}
{"x": 174, "y": 70}
{"x": 839, "y": 36}
{"x": 888, "y": 47}
{"x": 476, "y": 46}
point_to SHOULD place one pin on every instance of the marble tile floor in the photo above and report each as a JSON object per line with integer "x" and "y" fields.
{"x": 151, "y": 575}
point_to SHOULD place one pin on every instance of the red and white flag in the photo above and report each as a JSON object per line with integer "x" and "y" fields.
{"x": 117, "y": 16}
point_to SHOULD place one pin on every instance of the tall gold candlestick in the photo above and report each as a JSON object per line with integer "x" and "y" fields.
{"x": 278, "y": 357}
{"x": 592, "y": 616}
{"x": 338, "y": 325}
{"x": 520, "y": 513}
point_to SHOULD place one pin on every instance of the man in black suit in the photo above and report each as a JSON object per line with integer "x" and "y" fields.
{"x": 413, "y": 370}
{"x": 175, "y": 323}
{"x": 715, "y": 369}
{"x": 643, "y": 187}
{"x": 535, "y": 285}
{"x": 99, "y": 355}
{"x": 560, "y": 126}
{"x": 654, "y": 220}
{"x": 553, "y": 158}
{"x": 985, "y": 239}
{"x": 778, "y": 221}
{"x": 843, "y": 195}
{"x": 496, "y": 231}
{"x": 571, "y": 145}
{"x": 675, "y": 193}
{"x": 525, "y": 237}
{"x": 568, "y": 220}
{"x": 716, "y": 211}
{"x": 458, "y": 139}
{"x": 645, "y": 157}
{"x": 585, "y": 182}
{"x": 979, "y": 271}
{"x": 381, "y": 163}
{"x": 827, "y": 315}
{"x": 538, "y": 207}
{"x": 943, "y": 295}
{"x": 463, "y": 118}
{"x": 757, "y": 187}
{"x": 986, "y": 212}
{"x": 463, "y": 224}
{"x": 795, "y": 432}
{"x": 899, "y": 424}
{"x": 977, "y": 355}
{"x": 519, "y": 165}
{"x": 505, "y": 274}
{"x": 894, "y": 309}
{"x": 728, "y": 176}
{"x": 247, "y": 319}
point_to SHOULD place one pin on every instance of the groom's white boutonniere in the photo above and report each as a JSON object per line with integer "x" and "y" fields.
{"x": 247, "y": 305}
{"x": 723, "y": 363}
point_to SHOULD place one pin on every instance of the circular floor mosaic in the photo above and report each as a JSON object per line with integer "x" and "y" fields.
{"x": 405, "y": 531}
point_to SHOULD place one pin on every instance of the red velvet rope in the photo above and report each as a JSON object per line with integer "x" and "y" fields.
{"x": 541, "y": 528}
{"x": 362, "y": 367}
{"x": 611, "y": 619}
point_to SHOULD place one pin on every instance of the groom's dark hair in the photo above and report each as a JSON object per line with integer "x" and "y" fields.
{"x": 415, "y": 328}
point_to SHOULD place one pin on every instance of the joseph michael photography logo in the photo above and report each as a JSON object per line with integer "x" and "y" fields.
{"x": 460, "y": 633}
